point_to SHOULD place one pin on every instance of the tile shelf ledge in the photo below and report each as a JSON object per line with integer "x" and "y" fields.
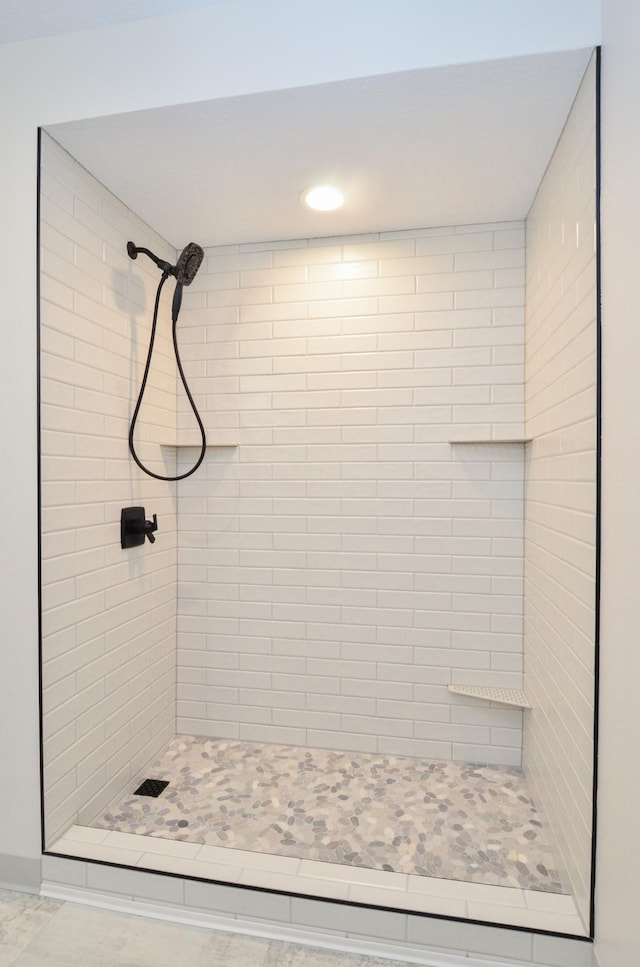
{"x": 489, "y": 693}
{"x": 210, "y": 446}
{"x": 188, "y": 442}
{"x": 496, "y": 440}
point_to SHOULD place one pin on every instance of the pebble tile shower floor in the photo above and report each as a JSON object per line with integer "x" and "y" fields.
{"x": 458, "y": 821}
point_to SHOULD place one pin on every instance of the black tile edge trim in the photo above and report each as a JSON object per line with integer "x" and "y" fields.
{"x": 598, "y": 521}
{"x": 39, "y": 487}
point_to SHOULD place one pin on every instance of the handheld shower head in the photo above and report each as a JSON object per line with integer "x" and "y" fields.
{"x": 184, "y": 272}
{"x": 185, "y": 268}
{"x": 188, "y": 263}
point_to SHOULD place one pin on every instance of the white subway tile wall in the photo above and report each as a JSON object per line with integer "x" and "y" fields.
{"x": 109, "y": 615}
{"x": 346, "y": 563}
{"x": 561, "y": 490}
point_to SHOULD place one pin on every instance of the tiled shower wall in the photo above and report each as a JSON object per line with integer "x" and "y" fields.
{"x": 561, "y": 490}
{"x": 346, "y": 562}
{"x": 108, "y": 615}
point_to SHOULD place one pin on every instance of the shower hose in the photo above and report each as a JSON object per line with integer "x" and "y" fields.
{"x": 143, "y": 385}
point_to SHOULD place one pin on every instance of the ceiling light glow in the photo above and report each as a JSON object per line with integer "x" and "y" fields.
{"x": 323, "y": 198}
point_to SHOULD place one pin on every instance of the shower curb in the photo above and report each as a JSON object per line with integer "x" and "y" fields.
{"x": 246, "y": 926}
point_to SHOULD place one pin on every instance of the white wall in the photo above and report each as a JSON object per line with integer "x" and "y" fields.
{"x": 148, "y": 65}
{"x": 560, "y": 492}
{"x": 345, "y": 564}
{"x": 109, "y": 621}
{"x": 618, "y": 855}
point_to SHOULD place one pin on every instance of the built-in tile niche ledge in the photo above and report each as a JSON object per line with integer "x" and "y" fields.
{"x": 509, "y": 439}
{"x": 489, "y": 693}
{"x": 193, "y": 439}
{"x": 216, "y": 445}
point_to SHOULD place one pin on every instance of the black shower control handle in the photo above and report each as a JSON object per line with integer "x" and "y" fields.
{"x": 134, "y": 527}
{"x": 150, "y": 526}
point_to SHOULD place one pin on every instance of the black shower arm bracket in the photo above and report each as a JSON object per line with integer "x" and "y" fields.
{"x": 133, "y": 251}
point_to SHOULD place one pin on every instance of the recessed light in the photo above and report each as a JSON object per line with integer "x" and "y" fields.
{"x": 323, "y": 198}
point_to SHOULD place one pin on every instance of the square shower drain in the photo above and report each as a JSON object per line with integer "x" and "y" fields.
{"x": 151, "y": 787}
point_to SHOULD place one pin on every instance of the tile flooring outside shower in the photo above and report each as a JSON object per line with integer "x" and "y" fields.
{"x": 42, "y": 932}
{"x": 452, "y": 839}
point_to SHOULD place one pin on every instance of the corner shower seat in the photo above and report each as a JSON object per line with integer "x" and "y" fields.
{"x": 489, "y": 693}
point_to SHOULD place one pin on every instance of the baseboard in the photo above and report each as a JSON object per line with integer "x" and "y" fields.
{"x": 20, "y": 873}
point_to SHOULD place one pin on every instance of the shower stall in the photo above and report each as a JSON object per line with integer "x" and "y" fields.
{"x": 359, "y": 660}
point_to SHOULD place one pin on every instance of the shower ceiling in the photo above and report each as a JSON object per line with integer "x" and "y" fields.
{"x": 25, "y": 19}
{"x": 448, "y": 145}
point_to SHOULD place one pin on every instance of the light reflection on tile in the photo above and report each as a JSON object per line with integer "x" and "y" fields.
{"x": 99, "y": 851}
{"x": 492, "y": 913}
{"x": 190, "y": 867}
{"x": 378, "y": 896}
{"x": 86, "y": 834}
